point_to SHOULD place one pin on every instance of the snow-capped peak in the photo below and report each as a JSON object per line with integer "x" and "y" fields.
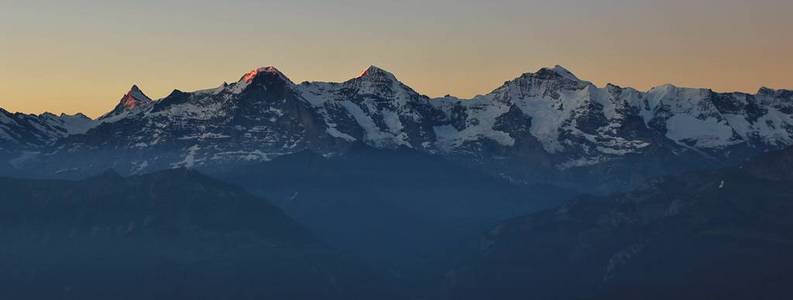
{"x": 557, "y": 71}
{"x": 133, "y": 100}
{"x": 564, "y": 72}
{"x": 377, "y": 81}
{"x": 775, "y": 92}
{"x": 76, "y": 116}
{"x": 136, "y": 96}
{"x": 74, "y": 124}
{"x": 65, "y": 116}
{"x": 374, "y": 72}
{"x": 382, "y": 83}
{"x": 262, "y": 71}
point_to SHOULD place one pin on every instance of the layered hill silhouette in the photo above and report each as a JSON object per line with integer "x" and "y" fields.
{"x": 167, "y": 235}
{"x": 723, "y": 234}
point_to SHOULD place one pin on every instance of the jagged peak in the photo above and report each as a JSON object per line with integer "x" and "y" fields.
{"x": 251, "y": 75}
{"x": 556, "y": 72}
{"x": 564, "y": 72}
{"x": 47, "y": 114}
{"x": 374, "y": 72}
{"x": 134, "y": 98}
{"x": 769, "y": 90}
{"x": 778, "y": 93}
{"x": 138, "y": 94}
{"x": 77, "y": 115}
{"x": 62, "y": 116}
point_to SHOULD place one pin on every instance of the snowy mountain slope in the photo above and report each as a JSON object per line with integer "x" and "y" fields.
{"x": 20, "y": 131}
{"x": 259, "y": 117}
{"x": 549, "y": 121}
{"x": 376, "y": 109}
{"x": 566, "y": 115}
{"x": 132, "y": 102}
{"x": 582, "y": 124}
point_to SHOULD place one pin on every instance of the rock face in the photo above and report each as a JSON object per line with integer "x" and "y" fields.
{"x": 544, "y": 126}
{"x": 552, "y": 120}
{"x": 169, "y": 235}
{"x": 721, "y": 234}
{"x": 33, "y": 132}
{"x": 133, "y": 101}
{"x": 259, "y": 117}
{"x": 375, "y": 109}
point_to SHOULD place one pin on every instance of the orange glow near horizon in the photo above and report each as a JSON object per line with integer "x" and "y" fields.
{"x": 82, "y": 56}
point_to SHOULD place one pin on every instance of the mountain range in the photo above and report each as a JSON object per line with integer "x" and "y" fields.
{"x": 548, "y": 126}
{"x": 325, "y": 190}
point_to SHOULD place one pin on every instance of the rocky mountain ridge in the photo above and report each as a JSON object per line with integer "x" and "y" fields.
{"x": 546, "y": 122}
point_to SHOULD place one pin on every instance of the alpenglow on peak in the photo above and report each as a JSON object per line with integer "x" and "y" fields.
{"x": 269, "y": 70}
{"x": 374, "y": 71}
{"x": 133, "y": 100}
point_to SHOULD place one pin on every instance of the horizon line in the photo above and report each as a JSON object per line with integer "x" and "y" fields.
{"x": 431, "y": 98}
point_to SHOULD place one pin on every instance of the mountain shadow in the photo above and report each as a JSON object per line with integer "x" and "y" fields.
{"x": 168, "y": 235}
{"x": 723, "y": 234}
{"x": 390, "y": 204}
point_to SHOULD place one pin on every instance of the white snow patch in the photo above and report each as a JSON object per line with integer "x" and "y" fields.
{"x": 483, "y": 112}
{"x": 338, "y": 134}
{"x": 138, "y": 167}
{"x": 708, "y": 133}
{"x": 205, "y": 136}
{"x": 189, "y": 160}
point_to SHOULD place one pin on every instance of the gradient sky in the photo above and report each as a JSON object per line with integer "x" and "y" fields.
{"x": 82, "y": 56}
